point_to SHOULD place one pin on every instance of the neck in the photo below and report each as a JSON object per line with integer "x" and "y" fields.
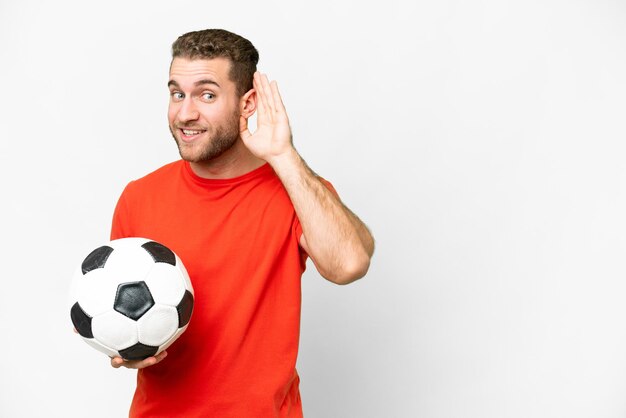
{"x": 235, "y": 162}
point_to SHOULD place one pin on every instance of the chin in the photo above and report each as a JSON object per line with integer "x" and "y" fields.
{"x": 206, "y": 150}
{"x": 187, "y": 153}
{"x": 190, "y": 156}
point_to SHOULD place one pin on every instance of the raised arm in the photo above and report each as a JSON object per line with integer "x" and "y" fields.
{"x": 339, "y": 244}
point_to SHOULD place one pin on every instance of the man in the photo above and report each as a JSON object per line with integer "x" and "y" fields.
{"x": 243, "y": 211}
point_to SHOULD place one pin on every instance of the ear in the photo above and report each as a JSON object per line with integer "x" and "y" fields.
{"x": 247, "y": 104}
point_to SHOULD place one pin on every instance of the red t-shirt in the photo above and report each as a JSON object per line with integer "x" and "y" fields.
{"x": 238, "y": 239}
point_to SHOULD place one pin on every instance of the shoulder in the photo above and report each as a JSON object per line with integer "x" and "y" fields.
{"x": 157, "y": 179}
{"x": 165, "y": 172}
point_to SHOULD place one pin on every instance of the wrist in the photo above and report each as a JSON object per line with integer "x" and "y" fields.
{"x": 285, "y": 161}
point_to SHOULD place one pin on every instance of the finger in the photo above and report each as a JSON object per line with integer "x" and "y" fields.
{"x": 267, "y": 90}
{"x": 140, "y": 364}
{"x": 159, "y": 357}
{"x": 150, "y": 361}
{"x": 260, "y": 106}
{"x": 278, "y": 101}
{"x": 262, "y": 103}
{"x": 117, "y": 362}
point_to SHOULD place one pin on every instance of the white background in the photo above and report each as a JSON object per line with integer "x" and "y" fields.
{"x": 482, "y": 142}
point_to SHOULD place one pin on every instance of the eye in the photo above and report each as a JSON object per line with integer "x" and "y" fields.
{"x": 208, "y": 96}
{"x": 177, "y": 96}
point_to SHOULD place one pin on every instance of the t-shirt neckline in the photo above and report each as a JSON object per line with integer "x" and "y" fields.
{"x": 263, "y": 170}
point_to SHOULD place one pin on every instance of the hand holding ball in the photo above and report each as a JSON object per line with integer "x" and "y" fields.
{"x": 131, "y": 298}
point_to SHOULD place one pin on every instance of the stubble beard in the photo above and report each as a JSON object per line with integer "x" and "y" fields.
{"x": 222, "y": 139}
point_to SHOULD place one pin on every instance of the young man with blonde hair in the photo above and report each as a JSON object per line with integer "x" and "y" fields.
{"x": 243, "y": 211}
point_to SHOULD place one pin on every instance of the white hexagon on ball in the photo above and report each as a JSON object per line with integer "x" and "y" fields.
{"x": 115, "y": 330}
{"x": 166, "y": 283}
{"x": 157, "y": 325}
{"x": 95, "y": 291}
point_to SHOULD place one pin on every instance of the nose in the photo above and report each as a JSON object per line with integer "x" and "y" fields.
{"x": 188, "y": 111}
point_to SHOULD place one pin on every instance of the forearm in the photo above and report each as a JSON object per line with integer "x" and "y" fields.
{"x": 337, "y": 241}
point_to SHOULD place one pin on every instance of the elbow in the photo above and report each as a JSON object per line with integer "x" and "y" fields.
{"x": 350, "y": 271}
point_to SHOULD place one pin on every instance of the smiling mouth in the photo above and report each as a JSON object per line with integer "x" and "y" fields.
{"x": 190, "y": 134}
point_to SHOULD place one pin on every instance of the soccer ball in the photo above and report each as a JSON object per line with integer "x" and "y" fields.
{"x": 131, "y": 298}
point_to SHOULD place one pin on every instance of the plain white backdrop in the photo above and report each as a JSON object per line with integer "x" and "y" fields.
{"x": 482, "y": 142}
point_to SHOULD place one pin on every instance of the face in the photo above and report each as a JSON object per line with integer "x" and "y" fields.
{"x": 203, "y": 112}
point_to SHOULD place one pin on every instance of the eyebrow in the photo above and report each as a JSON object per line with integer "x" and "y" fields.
{"x": 196, "y": 84}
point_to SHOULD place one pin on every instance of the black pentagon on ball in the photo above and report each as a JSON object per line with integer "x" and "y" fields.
{"x": 81, "y": 321}
{"x": 159, "y": 253}
{"x": 185, "y": 308}
{"x": 96, "y": 259}
{"x": 138, "y": 351}
{"x": 133, "y": 299}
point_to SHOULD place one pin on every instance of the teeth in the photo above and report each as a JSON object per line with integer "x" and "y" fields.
{"x": 188, "y": 132}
